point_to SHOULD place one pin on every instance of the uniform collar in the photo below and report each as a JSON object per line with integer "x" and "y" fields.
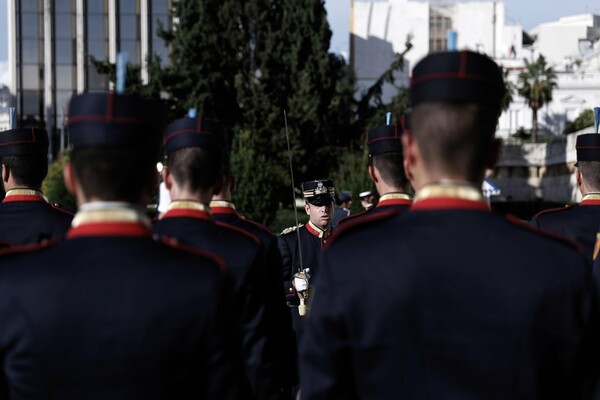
{"x": 109, "y": 219}
{"x": 30, "y": 195}
{"x": 591, "y": 199}
{"x": 395, "y": 198}
{"x": 222, "y": 207}
{"x": 450, "y": 195}
{"x": 187, "y": 208}
{"x": 316, "y": 231}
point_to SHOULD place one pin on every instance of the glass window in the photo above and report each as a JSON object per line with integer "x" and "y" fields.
{"x": 97, "y": 49}
{"x": 96, "y": 81}
{"x": 95, "y": 6}
{"x": 131, "y": 48}
{"x": 31, "y": 77}
{"x": 65, "y": 52}
{"x": 160, "y": 6}
{"x": 63, "y": 6}
{"x": 128, "y": 26}
{"x": 96, "y": 26}
{"x": 62, "y": 101}
{"x": 127, "y": 6}
{"x": 64, "y": 77}
{"x": 63, "y": 25}
{"x": 30, "y": 27}
{"x": 31, "y": 102}
{"x": 30, "y": 5}
{"x": 30, "y": 51}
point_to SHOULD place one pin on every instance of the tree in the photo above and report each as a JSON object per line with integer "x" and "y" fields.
{"x": 54, "y": 185}
{"x": 584, "y": 119}
{"x": 536, "y": 84}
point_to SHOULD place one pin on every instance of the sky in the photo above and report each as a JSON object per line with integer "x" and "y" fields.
{"x": 527, "y": 13}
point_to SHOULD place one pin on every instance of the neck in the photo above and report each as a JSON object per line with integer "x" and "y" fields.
{"x": 202, "y": 196}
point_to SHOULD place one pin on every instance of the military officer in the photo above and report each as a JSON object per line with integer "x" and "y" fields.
{"x": 445, "y": 300}
{"x": 26, "y": 215}
{"x": 303, "y": 249}
{"x": 195, "y": 150}
{"x": 109, "y": 312}
{"x": 344, "y": 200}
{"x": 579, "y": 222}
{"x": 386, "y": 170}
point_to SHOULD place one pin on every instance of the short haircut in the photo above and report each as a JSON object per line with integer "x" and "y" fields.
{"x": 27, "y": 171}
{"x": 114, "y": 173}
{"x": 455, "y": 137}
{"x": 591, "y": 173}
{"x": 196, "y": 168}
{"x": 391, "y": 168}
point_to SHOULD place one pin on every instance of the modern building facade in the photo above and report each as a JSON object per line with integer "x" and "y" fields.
{"x": 52, "y": 42}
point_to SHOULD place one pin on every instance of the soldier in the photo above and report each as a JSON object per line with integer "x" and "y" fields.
{"x": 386, "y": 170}
{"x": 446, "y": 301}
{"x": 26, "y": 215}
{"x": 196, "y": 154}
{"x": 579, "y": 222}
{"x": 314, "y": 236}
{"x": 109, "y": 312}
{"x": 344, "y": 200}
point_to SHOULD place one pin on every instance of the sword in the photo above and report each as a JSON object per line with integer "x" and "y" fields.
{"x": 302, "y": 272}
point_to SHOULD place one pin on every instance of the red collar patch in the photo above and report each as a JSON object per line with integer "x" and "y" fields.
{"x": 121, "y": 229}
{"x": 445, "y": 203}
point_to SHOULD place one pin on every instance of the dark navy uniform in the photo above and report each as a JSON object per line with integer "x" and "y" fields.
{"x": 396, "y": 315}
{"x": 577, "y": 222}
{"x": 190, "y": 222}
{"x": 447, "y": 300}
{"x": 225, "y": 212}
{"x": 26, "y": 215}
{"x": 110, "y": 313}
{"x": 397, "y": 201}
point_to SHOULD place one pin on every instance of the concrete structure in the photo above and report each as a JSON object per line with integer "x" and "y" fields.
{"x": 51, "y": 43}
{"x": 5, "y": 101}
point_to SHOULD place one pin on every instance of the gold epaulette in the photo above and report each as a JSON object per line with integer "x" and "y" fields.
{"x": 290, "y": 229}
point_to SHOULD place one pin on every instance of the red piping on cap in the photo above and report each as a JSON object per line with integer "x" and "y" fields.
{"x": 384, "y": 138}
{"x": 104, "y": 118}
{"x": 180, "y": 131}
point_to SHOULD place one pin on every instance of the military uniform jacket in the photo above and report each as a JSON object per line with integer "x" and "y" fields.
{"x": 191, "y": 223}
{"x": 578, "y": 222}
{"x": 27, "y": 218}
{"x": 397, "y": 201}
{"x": 284, "y": 370}
{"x": 110, "y": 313}
{"x": 313, "y": 241}
{"x": 449, "y": 301}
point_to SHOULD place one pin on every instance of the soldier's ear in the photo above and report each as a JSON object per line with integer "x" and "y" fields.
{"x": 307, "y": 208}
{"x": 69, "y": 178}
{"x": 373, "y": 174}
{"x": 410, "y": 151}
{"x": 167, "y": 178}
{"x": 5, "y": 173}
{"x": 232, "y": 184}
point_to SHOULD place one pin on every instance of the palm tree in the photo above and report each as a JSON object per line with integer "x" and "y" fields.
{"x": 536, "y": 83}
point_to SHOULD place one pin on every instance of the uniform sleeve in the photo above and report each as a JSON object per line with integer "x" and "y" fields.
{"x": 286, "y": 257}
{"x": 325, "y": 363}
{"x": 535, "y": 222}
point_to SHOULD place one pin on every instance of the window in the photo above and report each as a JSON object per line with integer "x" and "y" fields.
{"x": 31, "y": 77}
{"x": 65, "y": 52}
{"x": 30, "y": 51}
{"x": 32, "y": 102}
{"x": 64, "y": 77}
{"x": 63, "y": 26}
{"x": 30, "y": 27}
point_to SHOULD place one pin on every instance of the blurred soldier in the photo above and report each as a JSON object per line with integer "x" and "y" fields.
{"x": 196, "y": 154}
{"x": 319, "y": 196}
{"x": 579, "y": 222}
{"x": 344, "y": 200}
{"x": 446, "y": 301}
{"x": 386, "y": 170}
{"x": 366, "y": 199}
{"x": 223, "y": 210}
{"x": 26, "y": 215}
{"x": 110, "y": 313}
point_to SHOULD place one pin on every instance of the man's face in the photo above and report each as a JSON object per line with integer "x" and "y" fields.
{"x": 320, "y": 215}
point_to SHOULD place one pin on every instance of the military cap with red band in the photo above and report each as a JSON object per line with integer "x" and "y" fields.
{"x": 107, "y": 118}
{"x": 588, "y": 147}
{"x": 194, "y": 132}
{"x": 453, "y": 76}
{"x": 385, "y": 139}
{"x": 23, "y": 142}
{"x": 319, "y": 192}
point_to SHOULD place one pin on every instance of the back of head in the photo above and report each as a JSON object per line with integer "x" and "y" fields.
{"x": 385, "y": 154}
{"x": 24, "y": 152}
{"x": 456, "y": 99}
{"x": 116, "y": 144}
{"x": 196, "y": 151}
{"x": 588, "y": 159}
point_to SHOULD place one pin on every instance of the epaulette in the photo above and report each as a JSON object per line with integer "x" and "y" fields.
{"x": 552, "y": 210}
{"x": 58, "y": 207}
{"x": 176, "y": 244}
{"x": 27, "y": 248}
{"x": 291, "y": 229}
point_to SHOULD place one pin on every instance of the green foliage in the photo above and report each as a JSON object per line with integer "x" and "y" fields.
{"x": 521, "y": 133}
{"x": 509, "y": 93}
{"x": 536, "y": 84}
{"x": 352, "y": 174}
{"x": 584, "y": 120}
{"x": 54, "y": 184}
